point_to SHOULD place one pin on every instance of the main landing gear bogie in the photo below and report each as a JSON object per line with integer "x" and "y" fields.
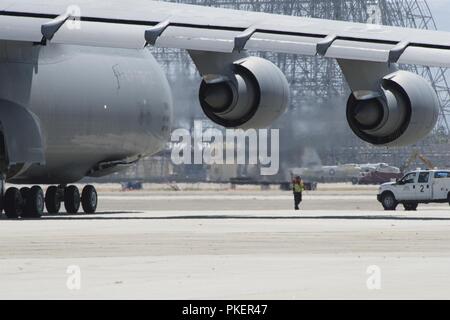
{"x": 30, "y": 202}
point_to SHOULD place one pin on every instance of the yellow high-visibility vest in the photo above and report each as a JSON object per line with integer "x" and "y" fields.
{"x": 299, "y": 187}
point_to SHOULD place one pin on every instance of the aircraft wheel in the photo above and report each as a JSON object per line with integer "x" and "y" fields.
{"x": 52, "y": 200}
{"x": 89, "y": 199}
{"x": 13, "y": 203}
{"x": 24, "y": 193}
{"x": 72, "y": 199}
{"x": 34, "y": 202}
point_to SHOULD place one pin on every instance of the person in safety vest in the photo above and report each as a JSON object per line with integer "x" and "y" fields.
{"x": 298, "y": 188}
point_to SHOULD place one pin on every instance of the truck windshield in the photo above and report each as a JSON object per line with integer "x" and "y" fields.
{"x": 409, "y": 178}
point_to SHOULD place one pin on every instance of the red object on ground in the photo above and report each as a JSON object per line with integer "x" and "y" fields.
{"x": 376, "y": 177}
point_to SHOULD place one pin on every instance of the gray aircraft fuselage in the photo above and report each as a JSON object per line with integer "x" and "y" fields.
{"x": 92, "y": 108}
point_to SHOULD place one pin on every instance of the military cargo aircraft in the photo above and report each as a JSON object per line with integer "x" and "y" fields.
{"x": 80, "y": 94}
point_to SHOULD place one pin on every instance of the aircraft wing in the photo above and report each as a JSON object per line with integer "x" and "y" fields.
{"x": 135, "y": 23}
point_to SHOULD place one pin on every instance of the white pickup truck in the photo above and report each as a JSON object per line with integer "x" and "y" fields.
{"x": 421, "y": 186}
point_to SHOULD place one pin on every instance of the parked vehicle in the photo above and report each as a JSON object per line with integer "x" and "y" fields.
{"x": 131, "y": 185}
{"x": 378, "y": 177}
{"x": 339, "y": 173}
{"x": 420, "y": 186}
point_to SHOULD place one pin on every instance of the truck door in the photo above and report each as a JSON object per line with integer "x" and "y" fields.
{"x": 407, "y": 187}
{"x": 423, "y": 186}
{"x": 441, "y": 185}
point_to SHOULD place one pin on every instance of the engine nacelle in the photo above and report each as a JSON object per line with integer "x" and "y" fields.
{"x": 256, "y": 97}
{"x": 405, "y": 112}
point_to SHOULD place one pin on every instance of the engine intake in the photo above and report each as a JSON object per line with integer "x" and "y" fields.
{"x": 257, "y": 96}
{"x": 405, "y": 112}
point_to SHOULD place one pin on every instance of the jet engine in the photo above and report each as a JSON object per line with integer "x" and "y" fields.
{"x": 255, "y": 97}
{"x": 405, "y": 111}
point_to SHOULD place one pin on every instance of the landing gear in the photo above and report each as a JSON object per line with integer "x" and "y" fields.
{"x": 24, "y": 192}
{"x": 53, "y": 197}
{"x": 34, "y": 203}
{"x": 89, "y": 199}
{"x": 30, "y": 202}
{"x": 13, "y": 203}
{"x": 72, "y": 199}
{"x": 26, "y": 202}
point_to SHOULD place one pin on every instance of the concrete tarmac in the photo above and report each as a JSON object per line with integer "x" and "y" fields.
{"x": 230, "y": 245}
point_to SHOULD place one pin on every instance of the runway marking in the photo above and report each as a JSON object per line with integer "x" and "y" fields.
{"x": 236, "y": 197}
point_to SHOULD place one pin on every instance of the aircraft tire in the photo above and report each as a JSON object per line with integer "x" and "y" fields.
{"x": 24, "y": 193}
{"x": 52, "y": 200}
{"x": 89, "y": 199}
{"x": 13, "y": 203}
{"x": 72, "y": 199}
{"x": 33, "y": 202}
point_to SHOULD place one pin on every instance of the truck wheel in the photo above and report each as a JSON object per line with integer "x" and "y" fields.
{"x": 411, "y": 206}
{"x": 388, "y": 201}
